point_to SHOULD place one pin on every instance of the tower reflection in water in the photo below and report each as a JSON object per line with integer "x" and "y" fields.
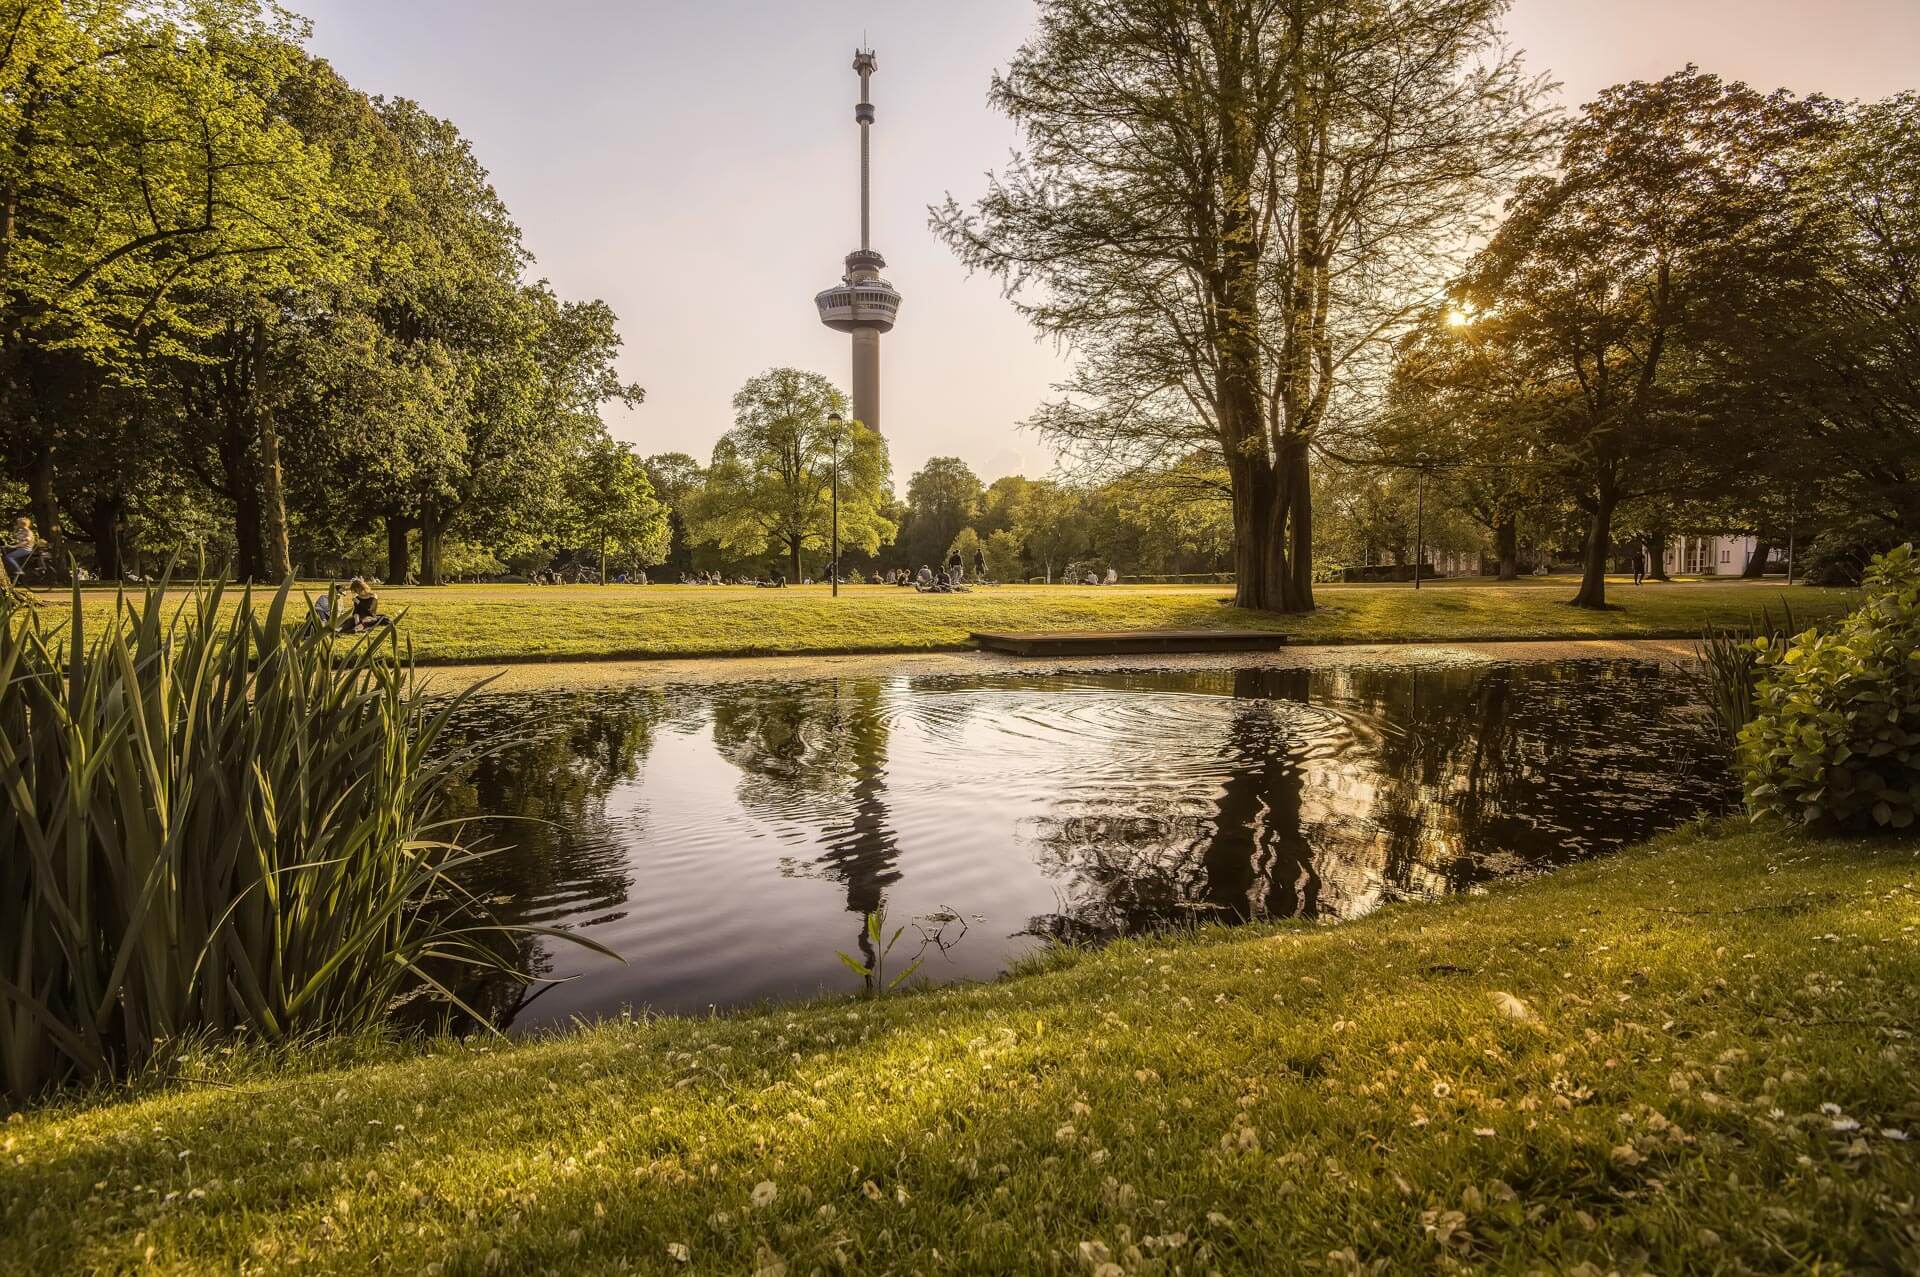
{"x": 691, "y": 828}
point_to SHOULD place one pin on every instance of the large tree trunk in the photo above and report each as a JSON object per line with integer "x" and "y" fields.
{"x": 1506, "y": 541}
{"x": 242, "y": 484}
{"x": 246, "y": 532}
{"x": 273, "y": 495}
{"x": 1282, "y": 588}
{"x": 1757, "y": 562}
{"x": 399, "y": 558}
{"x": 273, "y": 502}
{"x": 1657, "y": 556}
{"x": 45, "y": 504}
{"x": 1300, "y": 544}
{"x": 431, "y": 538}
{"x": 1593, "y": 581}
{"x": 103, "y": 528}
{"x": 793, "y": 562}
{"x": 1252, "y": 517}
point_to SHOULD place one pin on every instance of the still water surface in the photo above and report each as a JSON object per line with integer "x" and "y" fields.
{"x": 726, "y": 840}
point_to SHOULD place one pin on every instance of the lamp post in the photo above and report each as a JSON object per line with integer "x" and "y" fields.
{"x": 1420, "y": 520}
{"x": 834, "y": 425}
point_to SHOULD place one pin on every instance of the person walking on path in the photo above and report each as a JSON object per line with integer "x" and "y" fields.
{"x": 979, "y": 566}
{"x": 1639, "y": 564}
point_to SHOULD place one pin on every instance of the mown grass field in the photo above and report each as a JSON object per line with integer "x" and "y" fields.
{"x": 1694, "y": 1057}
{"x": 521, "y": 622}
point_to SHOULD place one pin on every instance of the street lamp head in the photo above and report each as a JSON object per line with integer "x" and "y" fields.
{"x": 1424, "y": 458}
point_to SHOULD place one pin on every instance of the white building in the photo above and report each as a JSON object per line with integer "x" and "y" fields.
{"x": 1709, "y": 556}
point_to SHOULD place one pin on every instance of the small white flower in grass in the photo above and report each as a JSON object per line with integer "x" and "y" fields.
{"x": 1485, "y": 1132}
{"x": 1830, "y": 1109}
{"x": 764, "y": 1192}
{"x": 678, "y": 1252}
{"x": 1441, "y": 1090}
{"x": 1894, "y": 1133}
{"x": 1844, "y": 1124}
{"x": 1095, "y": 1252}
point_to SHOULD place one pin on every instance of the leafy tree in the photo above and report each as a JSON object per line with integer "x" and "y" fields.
{"x": 1001, "y": 502}
{"x": 770, "y": 485}
{"x": 677, "y": 480}
{"x": 147, "y": 156}
{"x": 942, "y": 497}
{"x": 1841, "y": 359}
{"x": 1002, "y": 549}
{"x": 1229, "y": 208}
{"x": 1454, "y": 398}
{"x": 1617, "y": 285}
{"x": 966, "y": 544}
{"x": 616, "y": 505}
{"x": 1052, "y": 524}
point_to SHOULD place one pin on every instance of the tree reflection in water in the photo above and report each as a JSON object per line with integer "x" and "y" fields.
{"x": 1128, "y": 800}
{"x": 537, "y": 791}
{"x": 1435, "y": 780}
{"x": 818, "y": 753}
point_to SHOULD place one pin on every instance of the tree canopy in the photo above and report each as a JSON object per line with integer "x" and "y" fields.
{"x": 1228, "y": 208}
{"x": 770, "y": 485}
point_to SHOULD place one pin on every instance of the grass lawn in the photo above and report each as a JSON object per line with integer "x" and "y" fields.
{"x": 520, "y": 622}
{"x": 1694, "y": 1057}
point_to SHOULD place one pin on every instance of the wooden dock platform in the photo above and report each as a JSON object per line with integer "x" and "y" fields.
{"x": 1125, "y": 642}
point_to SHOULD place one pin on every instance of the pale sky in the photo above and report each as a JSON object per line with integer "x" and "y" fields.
{"x": 695, "y": 163}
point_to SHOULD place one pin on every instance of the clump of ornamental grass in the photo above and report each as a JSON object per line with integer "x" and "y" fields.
{"x": 218, "y": 818}
{"x": 1729, "y": 659}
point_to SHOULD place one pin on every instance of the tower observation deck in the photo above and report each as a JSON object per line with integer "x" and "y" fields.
{"x": 862, "y": 303}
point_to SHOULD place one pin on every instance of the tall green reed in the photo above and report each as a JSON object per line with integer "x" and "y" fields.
{"x": 216, "y": 816}
{"x": 1730, "y": 670}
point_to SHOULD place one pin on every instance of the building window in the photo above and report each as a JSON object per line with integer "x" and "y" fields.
{"x": 1726, "y": 556}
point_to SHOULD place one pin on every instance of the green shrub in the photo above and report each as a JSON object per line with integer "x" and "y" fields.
{"x": 214, "y": 824}
{"x": 1835, "y": 741}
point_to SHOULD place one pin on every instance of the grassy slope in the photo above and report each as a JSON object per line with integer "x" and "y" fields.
{"x": 1707, "y": 1021}
{"x": 481, "y": 623}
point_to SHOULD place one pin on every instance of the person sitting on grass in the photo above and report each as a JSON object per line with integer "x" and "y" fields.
{"x": 24, "y": 544}
{"x": 366, "y": 614}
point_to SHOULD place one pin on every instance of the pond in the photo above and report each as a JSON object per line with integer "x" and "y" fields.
{"x": 727, "y": 839}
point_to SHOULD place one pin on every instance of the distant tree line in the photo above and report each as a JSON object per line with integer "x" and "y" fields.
{"x": 248, "y": 310}
{"x": 764, "y": 502}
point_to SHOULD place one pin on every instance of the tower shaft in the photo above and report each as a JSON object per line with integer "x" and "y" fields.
{"x": 864, "y": 305}
{"x": 866, "y": 376}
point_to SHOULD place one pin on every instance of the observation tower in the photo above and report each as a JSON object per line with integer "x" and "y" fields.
{"x": 862, "y": 303}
